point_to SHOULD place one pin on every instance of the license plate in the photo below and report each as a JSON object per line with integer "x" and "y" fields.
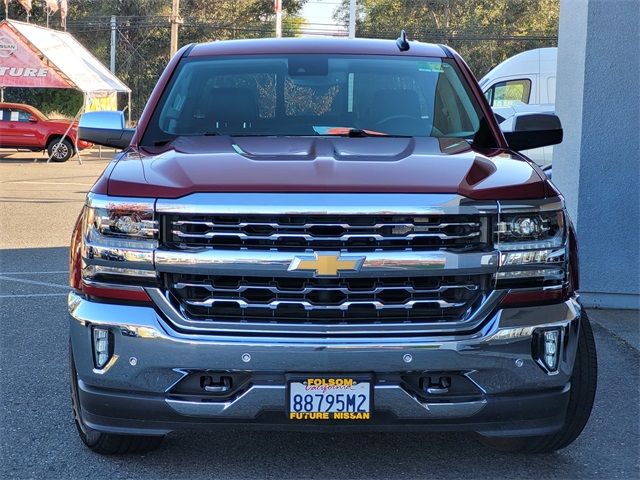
{"x": 329, "y": 399}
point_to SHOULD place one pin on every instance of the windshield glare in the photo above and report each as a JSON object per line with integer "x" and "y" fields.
{"x": 314, "y": 95}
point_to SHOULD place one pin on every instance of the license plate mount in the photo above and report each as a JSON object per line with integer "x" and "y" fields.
{"x": 329, "y": 398}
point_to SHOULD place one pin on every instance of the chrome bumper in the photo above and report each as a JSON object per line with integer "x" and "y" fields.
{"x": 150, "y": 358}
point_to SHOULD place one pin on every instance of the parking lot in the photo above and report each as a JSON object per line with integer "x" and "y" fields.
{"x": 38, "y": 206}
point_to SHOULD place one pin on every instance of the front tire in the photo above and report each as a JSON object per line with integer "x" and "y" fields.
{"x": 581, "y": 396}
{"x": 62, "y": 152}
{"x": 106, "y": 443}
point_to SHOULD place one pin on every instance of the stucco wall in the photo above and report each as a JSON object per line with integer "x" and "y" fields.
{"x": 597, "y": 167}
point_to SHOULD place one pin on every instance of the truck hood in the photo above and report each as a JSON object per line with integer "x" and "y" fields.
{"x": 324, "y": 164}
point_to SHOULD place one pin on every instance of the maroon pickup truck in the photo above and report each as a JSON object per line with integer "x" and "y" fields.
{"x": 26, "y": 128}
{"x": 325, "y": 234}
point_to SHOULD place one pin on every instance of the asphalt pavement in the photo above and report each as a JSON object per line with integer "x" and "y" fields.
{"x": 38, "y": 205}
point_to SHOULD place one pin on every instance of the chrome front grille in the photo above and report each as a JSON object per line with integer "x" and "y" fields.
{"x": 227, "y": 262}
{"x": 324, "y": 232}
{"x": 326, "y": 300}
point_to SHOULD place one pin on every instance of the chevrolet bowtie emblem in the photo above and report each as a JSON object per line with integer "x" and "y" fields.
{"x": 326, "y": 263}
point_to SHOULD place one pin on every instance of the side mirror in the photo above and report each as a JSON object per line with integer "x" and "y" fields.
{"x": 32, "y": 119}
{"x": 105, "y": 128}
{"x": 534, "y": 130}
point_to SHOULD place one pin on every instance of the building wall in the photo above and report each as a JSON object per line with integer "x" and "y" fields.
{"x": 597, "y": 167}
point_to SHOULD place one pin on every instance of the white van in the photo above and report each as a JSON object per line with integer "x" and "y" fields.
{"x": 528, "y": 78}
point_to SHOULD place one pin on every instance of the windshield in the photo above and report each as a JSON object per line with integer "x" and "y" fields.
{"x": 315, "y": 94}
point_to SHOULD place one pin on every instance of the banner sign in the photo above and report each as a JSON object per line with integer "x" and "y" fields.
{"x": 20, "y": 66}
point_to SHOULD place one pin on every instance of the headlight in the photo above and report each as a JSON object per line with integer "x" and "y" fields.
{"x": 531, "y": 231}
{"x": 533, "y": 252}
{"x": 119, "y": 237}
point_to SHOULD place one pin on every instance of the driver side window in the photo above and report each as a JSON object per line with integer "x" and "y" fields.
{"x": 23, "y": 116}
{"x": 509, "y": 92}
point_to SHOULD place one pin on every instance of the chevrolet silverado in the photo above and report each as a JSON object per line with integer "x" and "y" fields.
{"x": 325, "y": 234}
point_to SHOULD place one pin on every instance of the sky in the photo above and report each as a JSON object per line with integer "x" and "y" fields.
{"x": 319, "y": 15}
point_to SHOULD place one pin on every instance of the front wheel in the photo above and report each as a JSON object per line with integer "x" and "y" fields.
{"x": 106, "y": 443}
{"x": 60, "y": 151}
{"x": 583, "y": 390}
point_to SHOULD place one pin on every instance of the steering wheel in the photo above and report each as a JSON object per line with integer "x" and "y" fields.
{"x": 391, "y": 118}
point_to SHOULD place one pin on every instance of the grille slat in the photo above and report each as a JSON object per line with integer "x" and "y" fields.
{"x": 310, "y": 238}
{"x": 210, "y": 302}
{"x": 305, "y": 290}
{"x": 325, "y": 232}
{"x": 359, "y": 300}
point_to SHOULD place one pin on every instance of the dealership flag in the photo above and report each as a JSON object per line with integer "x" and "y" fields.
{"x": 63, "y": 14}
{"x": 52, "y": 6}
{"x": 27, "y": 6}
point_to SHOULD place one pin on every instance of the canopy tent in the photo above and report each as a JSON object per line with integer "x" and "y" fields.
{"x": 36, "y": 57}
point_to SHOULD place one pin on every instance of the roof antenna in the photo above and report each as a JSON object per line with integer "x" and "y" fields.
{"x": 402, "y": 42}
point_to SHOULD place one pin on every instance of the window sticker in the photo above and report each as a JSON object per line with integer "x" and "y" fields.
{"x": 350, "y": 94}
{"x": 425, "y": 66}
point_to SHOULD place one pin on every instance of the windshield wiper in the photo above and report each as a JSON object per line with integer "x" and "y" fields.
{"x": 359, "y": 132}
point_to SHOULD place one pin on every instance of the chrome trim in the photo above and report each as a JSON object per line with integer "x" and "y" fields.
{"x": 96, "y": 200}
{"x": 118, "y": 286}
{"x": 306, "y": 226}
{"x": 306, "y": 290}
{"x": 120, "y": 257}
{"x": 274, "y": 304}
{"x": 92, "y": 271}
{"x": 216, "y": 327}
{"x": 324, "y": 204}
{"x": 342, "y": 238}
{"x": 112, "y": 361}
{"x": 532, "y": 205}
{"x": 276, "y": 263}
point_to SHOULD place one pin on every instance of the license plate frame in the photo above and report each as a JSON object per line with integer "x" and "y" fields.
{"x": 357, "y": 380}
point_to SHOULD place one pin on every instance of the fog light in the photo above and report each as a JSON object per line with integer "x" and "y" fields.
{"x": 102, "y": 346}
{"x": 547, "y": 348}
{"x": 551, "y": 338}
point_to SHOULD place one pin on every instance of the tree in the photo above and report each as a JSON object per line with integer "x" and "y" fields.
{"x": 143, "y": 36}
{"x": 485, "y": 32}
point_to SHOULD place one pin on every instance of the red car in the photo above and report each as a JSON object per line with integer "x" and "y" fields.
{"x": 25, "y": 127}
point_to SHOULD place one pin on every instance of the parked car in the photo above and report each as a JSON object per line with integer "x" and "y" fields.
{"x": 524, "y": 82}
{"x": 325, "y": 233}
{"x": 24, "y": 127}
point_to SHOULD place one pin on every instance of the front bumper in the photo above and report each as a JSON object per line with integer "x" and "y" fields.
{"x": 134, "y": 393}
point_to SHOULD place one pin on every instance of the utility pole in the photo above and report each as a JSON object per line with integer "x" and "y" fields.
{"x": 112, "y": 64}
{"x": 352, "y": 18}
{"x": 278, "y": 7}
{"x": 175, "y": 22}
